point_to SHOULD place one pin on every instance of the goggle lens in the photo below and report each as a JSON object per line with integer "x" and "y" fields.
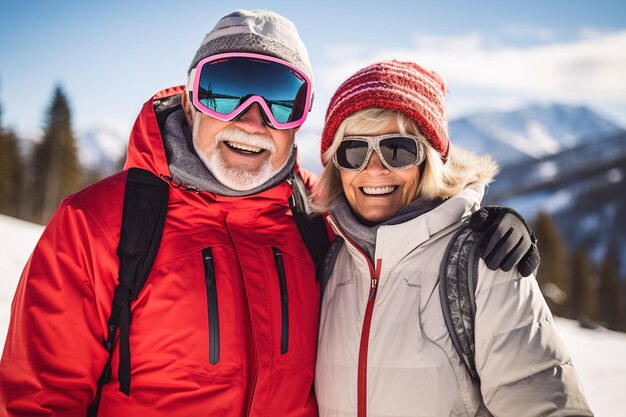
{"x": 396, "y": 152}
{"x": 225, "y": 84}
{"x": 352, "y": 154}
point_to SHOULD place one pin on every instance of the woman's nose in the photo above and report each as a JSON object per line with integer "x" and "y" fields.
{"x": 375, "y": 165}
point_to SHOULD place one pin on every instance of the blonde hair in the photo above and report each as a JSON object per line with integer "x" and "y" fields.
{"x": 438, "y": 180}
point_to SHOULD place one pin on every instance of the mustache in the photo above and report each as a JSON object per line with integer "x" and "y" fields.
{"x": 237, "y": 135}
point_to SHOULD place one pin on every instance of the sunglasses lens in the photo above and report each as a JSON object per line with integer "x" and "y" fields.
{"x": 399, "y": 151}
{"x": 351, "y": 154}
{"x": 227, "y": 83}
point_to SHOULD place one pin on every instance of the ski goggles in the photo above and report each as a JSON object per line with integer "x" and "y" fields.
{"x": 225, "y": 85}
{"x": 396, "y": 152}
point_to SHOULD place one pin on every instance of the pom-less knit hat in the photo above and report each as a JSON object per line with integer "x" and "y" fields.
{"x": 399, "y": 86}
{"x": 257, "y": 31}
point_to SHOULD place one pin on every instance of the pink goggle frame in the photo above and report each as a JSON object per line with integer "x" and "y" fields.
{"x": 193, "y": 84}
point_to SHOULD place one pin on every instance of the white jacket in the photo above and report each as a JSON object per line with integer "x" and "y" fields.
{"x": 384, "y": 349}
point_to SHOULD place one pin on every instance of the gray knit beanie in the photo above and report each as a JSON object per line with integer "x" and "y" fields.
{"x": 256, "y": 31}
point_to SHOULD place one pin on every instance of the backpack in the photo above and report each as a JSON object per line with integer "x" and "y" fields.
{"x": 458, "y": 276}
{"x": 143, "y": 219}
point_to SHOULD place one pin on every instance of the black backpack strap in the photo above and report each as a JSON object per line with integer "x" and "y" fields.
{"x": 458, "y": 277}
{"x": 312, "y": 227}
{"x": 329, "y": 263}
{"x": 143, "y": 218}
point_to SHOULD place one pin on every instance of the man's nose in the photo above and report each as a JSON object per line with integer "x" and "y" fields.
{"x": 251, "y": 120}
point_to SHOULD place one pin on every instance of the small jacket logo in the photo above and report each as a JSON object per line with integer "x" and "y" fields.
{"x": 410, "y": 284}
{"x": 348, "y": 282}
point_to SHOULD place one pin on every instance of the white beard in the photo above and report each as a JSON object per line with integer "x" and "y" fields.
{"x": 236, "y": 178}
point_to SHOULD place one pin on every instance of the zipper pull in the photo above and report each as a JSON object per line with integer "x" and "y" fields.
{"x": 373, "y": 286}
{"x": 208, "y": 265}
{"x": 292, "y": 198}
{"x": 374, "y": 281}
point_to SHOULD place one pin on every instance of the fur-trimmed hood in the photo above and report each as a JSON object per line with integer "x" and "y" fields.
{"x": 465, "y": 167}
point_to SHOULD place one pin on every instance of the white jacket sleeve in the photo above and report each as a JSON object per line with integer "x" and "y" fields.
{"x": 524, "y": 367}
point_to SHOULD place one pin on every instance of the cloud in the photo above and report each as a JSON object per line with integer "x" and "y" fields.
{"x": 588, "y": 70}
{"x": 588, "y": 32}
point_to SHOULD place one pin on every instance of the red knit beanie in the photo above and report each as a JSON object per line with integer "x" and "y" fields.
{"x": 400, "y": 86}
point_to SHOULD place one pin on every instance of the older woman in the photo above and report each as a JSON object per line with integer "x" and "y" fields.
{"x": 396, "y": 192}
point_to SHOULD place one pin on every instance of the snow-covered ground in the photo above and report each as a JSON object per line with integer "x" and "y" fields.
{"x": 597, "y": 354}
{"x": 17, "y": 240}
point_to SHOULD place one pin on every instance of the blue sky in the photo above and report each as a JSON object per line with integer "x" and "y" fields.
{"x": 110, "y": 57}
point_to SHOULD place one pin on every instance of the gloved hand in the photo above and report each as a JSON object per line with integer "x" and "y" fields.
{"x": 506, "y": 240}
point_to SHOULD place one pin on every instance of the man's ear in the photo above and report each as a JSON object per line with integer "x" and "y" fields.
{"x": 187, "y": 108}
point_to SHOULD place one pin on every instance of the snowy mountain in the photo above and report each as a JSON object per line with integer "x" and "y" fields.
{"x": 595, "y": 353}
{"x": 529, "y": 133}
{"x": 101, "y": 148}
{"x": 564, "y": 160}
{"x": 582, "y": 187}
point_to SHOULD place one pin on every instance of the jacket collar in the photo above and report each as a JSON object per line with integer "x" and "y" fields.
{"x": 395, "y": 242}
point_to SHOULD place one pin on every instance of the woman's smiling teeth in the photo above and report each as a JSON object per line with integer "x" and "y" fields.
{"x": 243, "y": 147}
{"x": 379, "y": 190}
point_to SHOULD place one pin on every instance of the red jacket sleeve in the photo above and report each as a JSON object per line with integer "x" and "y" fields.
{"x": 54, "y": 350}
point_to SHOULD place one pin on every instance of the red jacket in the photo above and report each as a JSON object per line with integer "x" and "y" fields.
{"x": 54, "y": 351}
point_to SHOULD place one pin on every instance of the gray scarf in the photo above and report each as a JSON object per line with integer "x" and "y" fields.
{"x": 365, "y": 235}
{"x": 187, "y": 168}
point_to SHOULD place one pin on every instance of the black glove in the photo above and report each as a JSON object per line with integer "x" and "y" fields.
{"x": 506, "y": 240}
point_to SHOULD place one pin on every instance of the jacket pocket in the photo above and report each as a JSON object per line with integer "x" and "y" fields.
{"x": 284, "y": 301}
{"x": 211, "y": 297}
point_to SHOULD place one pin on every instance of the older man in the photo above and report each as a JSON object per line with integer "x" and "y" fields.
{"x": 226, "y": 324}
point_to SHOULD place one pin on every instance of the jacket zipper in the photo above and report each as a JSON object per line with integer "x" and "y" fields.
{"x": 211, "y": 296}
{"x": 254, "y": 373}
{"x": 365, "y": 335}
{"x": 367, "y": 323}
{"x": 284, "y": 301}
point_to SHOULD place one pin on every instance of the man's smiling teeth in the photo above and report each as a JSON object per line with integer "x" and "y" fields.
{"x": 244, "y": 147}
{"x": 379, "y": 190}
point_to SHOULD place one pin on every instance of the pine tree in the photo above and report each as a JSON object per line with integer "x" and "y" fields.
{"x": 582, "y": 292}
{"x": 10, "y": 171}
{"x": 57, "y": 171}
{"x": 610, "y": 302}
{"x": 551, "y": 275}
